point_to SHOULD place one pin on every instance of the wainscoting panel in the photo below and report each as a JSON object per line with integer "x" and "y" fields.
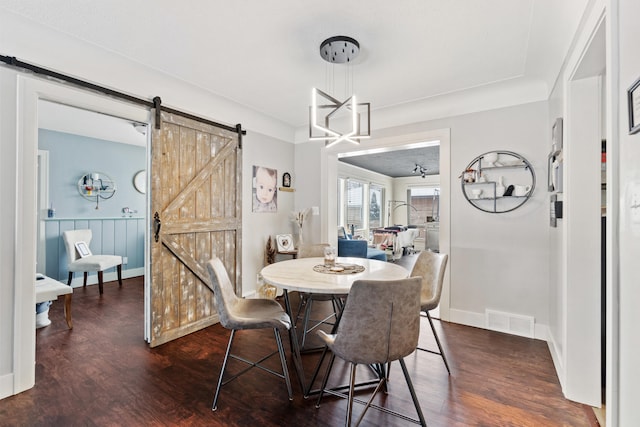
{"x": 111, "y": 236}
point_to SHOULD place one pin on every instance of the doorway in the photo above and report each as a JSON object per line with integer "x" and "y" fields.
{"x": 329, "y": 186}
{"x": 585, "y": 114}
{"x": 31, "y": 92}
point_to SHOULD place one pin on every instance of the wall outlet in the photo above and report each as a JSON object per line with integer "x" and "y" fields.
{"x": 125, "y": 260}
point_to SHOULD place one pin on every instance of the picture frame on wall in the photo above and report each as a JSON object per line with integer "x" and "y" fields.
{"x": 633, "y": 104}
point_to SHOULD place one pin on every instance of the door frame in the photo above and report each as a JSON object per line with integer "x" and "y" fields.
{"x": 30, "y": 90}
{"x": 329, "y": 196}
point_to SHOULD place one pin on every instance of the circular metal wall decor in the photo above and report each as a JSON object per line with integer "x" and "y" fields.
{"x": 94, "y": 186}
{"x": 498, "y": 181}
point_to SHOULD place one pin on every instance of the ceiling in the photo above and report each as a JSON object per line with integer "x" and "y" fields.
{"x": 399, "y": 163}
{"x": 264, "y": 55}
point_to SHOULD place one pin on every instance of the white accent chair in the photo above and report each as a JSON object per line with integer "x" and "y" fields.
{"x": 89, "y": 263}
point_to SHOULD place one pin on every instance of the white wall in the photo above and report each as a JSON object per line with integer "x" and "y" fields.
{"x": 8, "y": 186}
{"x": 629, "y": 234}
{"x": 262, "y": 150}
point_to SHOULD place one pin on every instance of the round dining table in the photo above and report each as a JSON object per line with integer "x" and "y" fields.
{"x": 299, "y": 274}
{"x": 309, "y": 275}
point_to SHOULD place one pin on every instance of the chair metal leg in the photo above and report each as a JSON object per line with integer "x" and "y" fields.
{"x": 413, "y": 393}
{"x": 86, "y": 274}
{"x": 224, "y": 366}
{"x": 70, "y": 278}
{"x": 441, "y": 353}
{"x": 253, "y": 364}
{"x": 352, "y": 386}
{"x": 336, "y": 304}
{"x": 283, "y": 360}
{"x": 325, "y": 378}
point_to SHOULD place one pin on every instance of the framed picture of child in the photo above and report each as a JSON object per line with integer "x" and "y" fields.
{"x": 265, "y": 196}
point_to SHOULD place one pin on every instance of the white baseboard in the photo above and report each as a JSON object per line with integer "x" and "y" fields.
{"x": 6, "y": 386}
{"x": 478, "y": 320}
{"x": 556, "y": 357}
{"x": 78, "y": 279}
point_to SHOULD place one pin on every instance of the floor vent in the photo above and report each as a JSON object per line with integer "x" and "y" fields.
{"x": 510, "y": 323}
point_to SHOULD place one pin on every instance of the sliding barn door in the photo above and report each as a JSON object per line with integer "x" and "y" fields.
{"x": 195, "y": 214}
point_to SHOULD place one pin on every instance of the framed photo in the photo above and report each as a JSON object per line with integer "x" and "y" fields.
{"x": 285, "y": 243}
{"x": 264, "y": 194}
{"x": 633, "y": 101}
{"x": 83, "y": 249}
{"x": 286, "y": 180}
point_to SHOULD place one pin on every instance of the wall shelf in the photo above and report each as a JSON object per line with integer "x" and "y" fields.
{"x": 480, "y": 181}
{"x": 94, "y": 186}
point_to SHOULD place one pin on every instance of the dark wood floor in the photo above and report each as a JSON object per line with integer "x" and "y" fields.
{"x": 103, "y": 374}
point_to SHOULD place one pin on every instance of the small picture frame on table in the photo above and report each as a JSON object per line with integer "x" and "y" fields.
{"x": 83, "y": 249}
{"x": 285, "y": 243}
{"x": 633, "y": 103}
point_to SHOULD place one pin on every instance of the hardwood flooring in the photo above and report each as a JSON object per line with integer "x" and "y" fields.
{"x": 102, "y": 373}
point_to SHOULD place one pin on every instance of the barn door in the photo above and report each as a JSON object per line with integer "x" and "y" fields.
{"x": 195, "y": 213}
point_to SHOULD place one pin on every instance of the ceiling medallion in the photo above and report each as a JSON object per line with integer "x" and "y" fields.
{"x": 330, "y": 119}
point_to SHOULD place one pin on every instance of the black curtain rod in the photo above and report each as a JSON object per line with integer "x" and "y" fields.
{"x": 14, "y": 62}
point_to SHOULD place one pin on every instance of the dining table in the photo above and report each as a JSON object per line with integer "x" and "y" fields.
{"x": 310, "y": 275}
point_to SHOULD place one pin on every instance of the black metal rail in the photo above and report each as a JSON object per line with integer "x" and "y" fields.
{"x": 155, "y": 103}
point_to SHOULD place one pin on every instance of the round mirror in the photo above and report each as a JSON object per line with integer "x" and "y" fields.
{"x": 140, "y": 181}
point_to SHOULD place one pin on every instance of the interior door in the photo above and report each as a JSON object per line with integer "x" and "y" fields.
{"x": 195, "y": 213}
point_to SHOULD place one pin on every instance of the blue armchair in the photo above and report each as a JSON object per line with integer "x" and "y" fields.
{"x": 348, "y": 247}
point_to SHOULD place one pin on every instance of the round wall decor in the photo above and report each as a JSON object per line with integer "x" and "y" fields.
{"x": 498, "y": 181}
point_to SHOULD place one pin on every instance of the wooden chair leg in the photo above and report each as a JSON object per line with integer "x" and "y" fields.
{"x": 67, "y": 310}
{"x": 70, "y": 278}
{"x": 119, "y": 268}
{"x": 100, "y": 285}
{"x": 85, "y": 279}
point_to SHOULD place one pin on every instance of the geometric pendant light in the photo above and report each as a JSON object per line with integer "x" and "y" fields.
{"x": 330, "y": 119}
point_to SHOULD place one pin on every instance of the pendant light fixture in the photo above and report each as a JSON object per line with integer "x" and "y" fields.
{"x": 330, "y": 119}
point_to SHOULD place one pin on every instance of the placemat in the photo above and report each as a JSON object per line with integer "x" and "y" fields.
{"x": 339, "y": 269}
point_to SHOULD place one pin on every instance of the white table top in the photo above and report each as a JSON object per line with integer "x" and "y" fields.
{"x": 48, "y": 289}
{"x": 298, "y": 274}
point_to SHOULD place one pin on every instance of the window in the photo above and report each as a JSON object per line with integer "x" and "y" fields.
{"x": 355, "y": 204}
{"x": 426, "y": 204}
{"x": 375, "y": 206}
{"x": 360, "y": 204}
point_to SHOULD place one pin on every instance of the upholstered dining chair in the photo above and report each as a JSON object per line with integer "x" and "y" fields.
{"x": 380, "y": 323}
{"x": 241, "y": 314}
{"x": 431, "y": 267}
{"x": 307, "y": 299}
{"x": 90, "y": 262}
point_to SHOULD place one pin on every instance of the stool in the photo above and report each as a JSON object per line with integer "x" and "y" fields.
{"x": 48, "y": 289}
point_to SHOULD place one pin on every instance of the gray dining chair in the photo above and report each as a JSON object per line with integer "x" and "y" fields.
{"x": 431, "y": 267}
{"x": 380, "y": 323}
{"x": 85, "y": 264}
{"x": 307, "y": 299}
{"x": 239, "y": 314}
